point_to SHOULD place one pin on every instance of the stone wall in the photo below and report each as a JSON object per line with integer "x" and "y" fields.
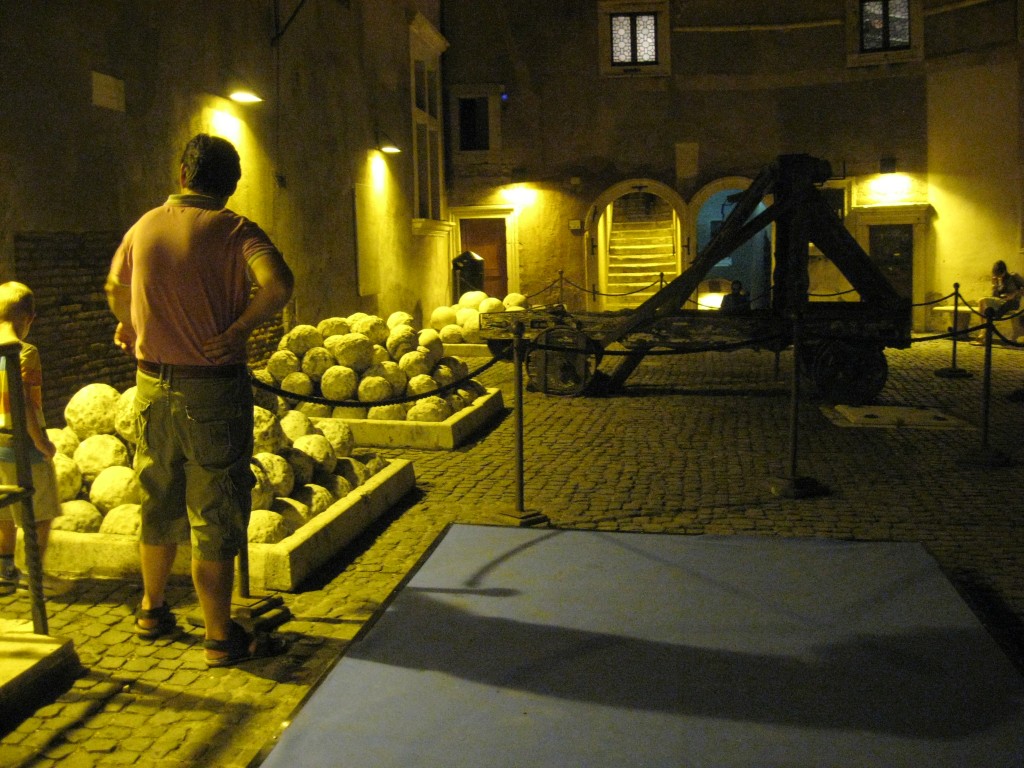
{"x": 74, "y": 328}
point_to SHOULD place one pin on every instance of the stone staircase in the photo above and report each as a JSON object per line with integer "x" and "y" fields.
{"x": 641, "y": 250}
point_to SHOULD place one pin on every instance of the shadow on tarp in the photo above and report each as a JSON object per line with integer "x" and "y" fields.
{"x": 538, "y": 647}
{"x": 928, "y": 684}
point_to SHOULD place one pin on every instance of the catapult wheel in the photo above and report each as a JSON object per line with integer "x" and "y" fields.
{"x": 849, "y": 373}
{"x": 561, "y": 361}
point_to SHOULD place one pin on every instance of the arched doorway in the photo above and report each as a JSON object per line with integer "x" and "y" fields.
{"x": 750, "y": 263}
{"x": 634, "y": 243}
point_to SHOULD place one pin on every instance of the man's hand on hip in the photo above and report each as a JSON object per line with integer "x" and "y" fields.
{"x": 124, "y": 338}
{"x": 226, "y": 347}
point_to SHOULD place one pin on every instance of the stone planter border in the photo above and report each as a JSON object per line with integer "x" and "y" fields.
{"x": 449, "y": 434}
{"x": 272, "y": 567}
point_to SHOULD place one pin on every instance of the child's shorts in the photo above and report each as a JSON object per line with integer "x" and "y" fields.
{"x": 45, "y": 502}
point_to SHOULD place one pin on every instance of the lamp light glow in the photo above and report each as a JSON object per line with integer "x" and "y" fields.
{"x": 891, "y": 188}
{"x": 386, "y": 145}
{"x": 244, "y": 96}
{"x": 520, "y": 195}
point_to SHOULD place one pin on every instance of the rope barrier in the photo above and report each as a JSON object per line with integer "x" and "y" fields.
{"x": 370, "y": 403}
{"x": 562, "y": 281}
{"x": 595, "y": 292}
{"x": 546, "y": 288}
{"x": 837, "y": 293}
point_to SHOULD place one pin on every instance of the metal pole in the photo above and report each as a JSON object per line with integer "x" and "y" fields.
{"x": 986, "y": 379}
{"x": 987, "y": 456}
{"x": 793, "y": 486}
{"x": 953, "y": 372}
{"x": 956, "y": 319}
{"x": 517, "y": 355}
{"x": 794, "y": 402}
{"x": 243, "y": 569}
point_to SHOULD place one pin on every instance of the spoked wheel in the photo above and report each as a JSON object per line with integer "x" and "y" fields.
{"x": 561, "y": 361}
{"x": 853, "y": 374}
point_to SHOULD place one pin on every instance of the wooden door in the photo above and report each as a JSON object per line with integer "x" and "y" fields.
{"x": 486, "y": 238}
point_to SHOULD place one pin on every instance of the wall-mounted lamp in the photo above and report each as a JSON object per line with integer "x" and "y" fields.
{"x": 386, "y": 145}
{"x": 244, "y": 96}
{"x": 887, "y": 165}
{"x": 238, "y": 87}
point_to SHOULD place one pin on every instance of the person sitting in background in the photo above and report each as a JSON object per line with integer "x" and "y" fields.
{"x": 1007, "y": 289}
{"x": 736, "y": 302}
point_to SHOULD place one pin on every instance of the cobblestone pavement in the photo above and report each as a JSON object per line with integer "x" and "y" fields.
{"x": 691, "y": 448}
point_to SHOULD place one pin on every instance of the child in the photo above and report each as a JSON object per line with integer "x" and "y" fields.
{"x": 17, "y": 311}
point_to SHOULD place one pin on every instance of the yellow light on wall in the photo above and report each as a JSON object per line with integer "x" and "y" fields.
{"x": 226, "y": 126}
{"x": 890, "y": 188}
{"x": 710, "y": 300}
{"x": 378, "y": 171}
{"x": 519, "y": 195}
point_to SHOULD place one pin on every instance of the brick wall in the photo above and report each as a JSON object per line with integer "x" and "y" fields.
{"x": 74, "y": 328}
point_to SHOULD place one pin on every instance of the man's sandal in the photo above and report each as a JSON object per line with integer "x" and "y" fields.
{"x": 242, "y": 646}
{"x": 166, "y": 624}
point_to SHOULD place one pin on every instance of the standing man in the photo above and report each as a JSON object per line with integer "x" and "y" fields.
{"x": 180, "y": 286}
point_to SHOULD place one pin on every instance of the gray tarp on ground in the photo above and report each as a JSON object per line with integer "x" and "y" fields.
{"x": 514, "y": 647}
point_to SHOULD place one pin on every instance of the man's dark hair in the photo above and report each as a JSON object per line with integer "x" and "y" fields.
{"x": 212, "y": 166}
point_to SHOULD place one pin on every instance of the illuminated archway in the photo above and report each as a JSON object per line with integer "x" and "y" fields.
{"x": 661, "y": 262}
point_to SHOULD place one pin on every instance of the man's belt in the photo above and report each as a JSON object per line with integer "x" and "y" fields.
{"x": 166, "y": 371}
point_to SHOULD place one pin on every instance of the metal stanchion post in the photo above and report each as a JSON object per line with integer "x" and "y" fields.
{"x": 517, "y": 356}
{"x": 988, "y": 456}
{"x": 520, "y": 516}
{"x": 793, "y": 486}
{"x": 953, "y": 372}
{"x": 243, "y": 571}
{"x": 263, "y": 612}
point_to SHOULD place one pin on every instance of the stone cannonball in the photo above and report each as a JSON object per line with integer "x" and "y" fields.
{"x": 113, "y": 487}
{"x": 339, "y": 383}
{"x": 96, "y": 453}
{"x": 318, "y": 448}
{"x": 372, "y": 327}
{"x": 92, "y": 410}
{"x": 78, "y": 515}
{"x": 278, "y": 471}
{"x": 333, "y": 326}
{"x": 123, "y": 520}
{"x": 267, "y": 527}
{"x": 266, "y": 432}
{"x": 302, "y": 338}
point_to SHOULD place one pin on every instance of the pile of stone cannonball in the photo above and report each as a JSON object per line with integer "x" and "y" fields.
{"x": 460, "y": 322}
{"x": 300, "y": 468}
{"x": 367, "y": 361}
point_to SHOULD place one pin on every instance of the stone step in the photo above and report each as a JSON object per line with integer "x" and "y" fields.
{"x": 33, "y": 668}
